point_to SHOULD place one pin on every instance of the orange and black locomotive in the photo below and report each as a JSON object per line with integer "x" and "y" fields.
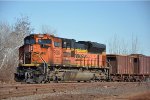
{"x": 45, "y": 58}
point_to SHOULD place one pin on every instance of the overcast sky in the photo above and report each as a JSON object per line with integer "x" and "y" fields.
{"x": 86, "y": 20}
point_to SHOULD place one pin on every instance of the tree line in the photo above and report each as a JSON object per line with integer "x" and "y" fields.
{"x": 11, "y": 38}
{"x": 120, "y": 46}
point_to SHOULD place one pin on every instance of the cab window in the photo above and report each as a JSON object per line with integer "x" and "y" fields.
{"x": 57, "y": 44}
{"x": 29, "y": 41}
{"x": 44, "y": 41}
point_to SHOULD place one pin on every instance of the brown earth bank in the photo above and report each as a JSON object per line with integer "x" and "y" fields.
{"x": 141, "y": 96}
{"x": 76, "y": 91}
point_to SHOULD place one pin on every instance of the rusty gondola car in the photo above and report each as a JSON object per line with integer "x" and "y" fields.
{"x": 135, "y": 67}
{"x": 121, "y": 67}
{"x": 141, "y": 66}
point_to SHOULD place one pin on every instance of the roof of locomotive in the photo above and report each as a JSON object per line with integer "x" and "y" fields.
{"x": 93, "y": 44}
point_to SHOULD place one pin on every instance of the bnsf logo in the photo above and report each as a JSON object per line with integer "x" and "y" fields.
{"x": 80, "y": 56}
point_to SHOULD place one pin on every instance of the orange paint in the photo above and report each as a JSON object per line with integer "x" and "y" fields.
{"x": 48, "y": 48}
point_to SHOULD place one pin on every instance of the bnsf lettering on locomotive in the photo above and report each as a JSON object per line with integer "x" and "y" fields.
{"x": 66, "y": 54}
{"x": 80, "y": 56}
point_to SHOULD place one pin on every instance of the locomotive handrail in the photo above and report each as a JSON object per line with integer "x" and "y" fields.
{"x": 109, "y": 63}
{"x": 45, "y": 64}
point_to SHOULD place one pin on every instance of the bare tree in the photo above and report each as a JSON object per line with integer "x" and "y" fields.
{"x": 121, "y": 46}
{"x": 135, "y": 45}
{"x": 124, "y": 47}
{"x": 110, "y": 47}
{"x": 11, "y": 39}
{"x": 45, "y": 29}
{"x": 6, "y": 29}
{"x": 115, "y": 46}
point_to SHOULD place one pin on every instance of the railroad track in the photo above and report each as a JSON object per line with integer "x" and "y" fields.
{"x": 18, "y": 90}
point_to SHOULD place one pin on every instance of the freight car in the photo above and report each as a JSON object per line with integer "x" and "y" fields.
{"x": 131, "y": 68}
{"x": 46, "y": 58}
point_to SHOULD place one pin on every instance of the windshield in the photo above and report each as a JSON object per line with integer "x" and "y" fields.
{"x": 29, "y": 41}
{"x": 57, "y": 44}
{"x": 44, "y": 41}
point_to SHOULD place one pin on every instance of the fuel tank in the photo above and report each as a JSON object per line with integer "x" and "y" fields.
{"x": 77, "y": 76}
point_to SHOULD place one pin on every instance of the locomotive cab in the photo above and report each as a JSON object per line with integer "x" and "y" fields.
{"x": 25, "y": 50}
{"x": 39, "y": 50}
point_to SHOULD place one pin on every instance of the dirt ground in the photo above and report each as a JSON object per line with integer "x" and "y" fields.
{"x": 76, "y": 91}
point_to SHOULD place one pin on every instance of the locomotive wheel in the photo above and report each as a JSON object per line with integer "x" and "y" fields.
{"x": 39, "y": 79}
{"x": 29, "y": 77}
